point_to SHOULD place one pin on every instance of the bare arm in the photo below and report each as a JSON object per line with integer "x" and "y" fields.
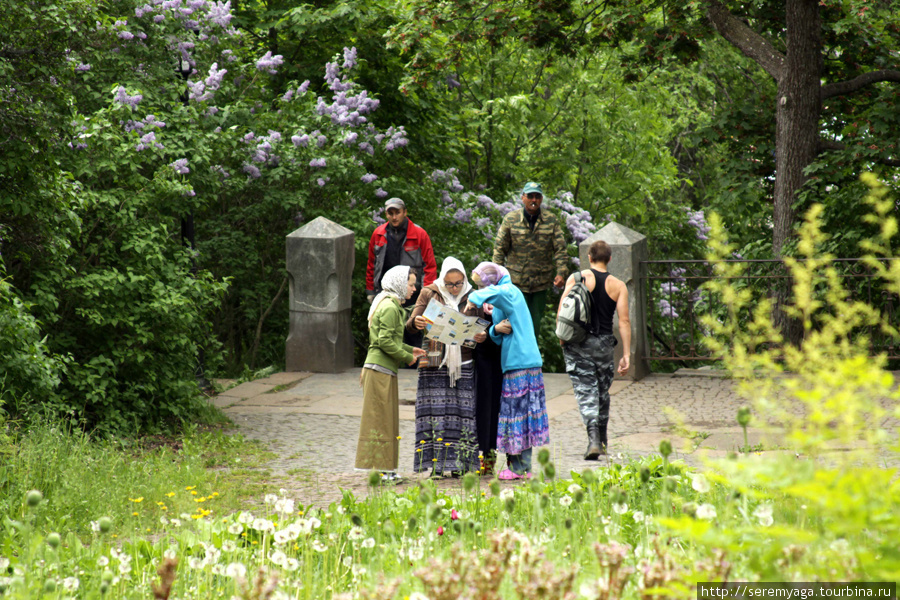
{"x": 624, "y": 328}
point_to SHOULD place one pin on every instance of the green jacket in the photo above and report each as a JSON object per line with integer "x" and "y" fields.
{"x": 386, "y": 347}
{"x": 532, "y": 258}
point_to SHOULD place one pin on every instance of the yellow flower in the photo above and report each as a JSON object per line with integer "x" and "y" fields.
{"x": 163, "y": 508}
{"x": 440, "y": 439}
{"x": 399, "y": 437}
{"x": 190, "y": 487}
{"x": 160, "y": 503}
{"x": 422, "y": 442}
{"x": 446, "y": 443}
{"x": 149, "y": 530}
{"x": 193, "y": 493}
{"x": 214, "y": 494}
{"x": 141, "y": 499}
{"x": 418, "y": 449}
{"x": 300, "y": 512}
{"x": 170, "y": 494}
{"x": 433, "y": 460}
{"x": 134, "y": 514}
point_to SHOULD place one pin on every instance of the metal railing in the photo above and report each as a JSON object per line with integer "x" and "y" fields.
{"x": 676, "y": 298}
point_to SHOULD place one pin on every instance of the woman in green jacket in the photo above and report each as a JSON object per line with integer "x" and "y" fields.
{"x": 379, "y": 429}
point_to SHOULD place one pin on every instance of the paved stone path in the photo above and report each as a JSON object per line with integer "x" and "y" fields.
{"x": 311, "y": 421}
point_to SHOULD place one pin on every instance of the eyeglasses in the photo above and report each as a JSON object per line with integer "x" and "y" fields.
{"x": 534, "y": 196}
{"x": 457, "y": 284}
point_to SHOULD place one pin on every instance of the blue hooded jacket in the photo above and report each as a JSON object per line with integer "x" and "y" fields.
{"x": 519, "y": 349}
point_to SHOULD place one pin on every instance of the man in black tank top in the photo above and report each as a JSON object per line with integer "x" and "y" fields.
{"x": 590, "y": 363}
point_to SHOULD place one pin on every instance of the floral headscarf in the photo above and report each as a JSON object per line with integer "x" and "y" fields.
{"x": 489, "y": 273}
{"x": 393, "y": 284}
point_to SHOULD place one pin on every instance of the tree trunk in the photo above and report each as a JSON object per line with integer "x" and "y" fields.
{"x": 796, "y": 112}
{"x": 797, "y": 132}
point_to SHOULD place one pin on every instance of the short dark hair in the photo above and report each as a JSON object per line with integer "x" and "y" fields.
{"x": 600, "y": 252}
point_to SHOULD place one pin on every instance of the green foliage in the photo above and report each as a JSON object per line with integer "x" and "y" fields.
{"x": 826, "y": 398}
{"x": 82, "y": 478}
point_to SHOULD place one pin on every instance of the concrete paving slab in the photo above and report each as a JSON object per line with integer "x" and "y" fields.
{"x": 281, "y": 399}
{"x": 560, "y": 404}
{"x": 223, "y": 401}
{"x": 285, "y": 378}
{"x": 249, "y": 389}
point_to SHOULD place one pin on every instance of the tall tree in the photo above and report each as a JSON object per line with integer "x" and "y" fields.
{"x": 798, "y": 70}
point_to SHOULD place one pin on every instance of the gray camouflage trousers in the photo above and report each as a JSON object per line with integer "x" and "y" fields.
{"x": 591, "y": 368}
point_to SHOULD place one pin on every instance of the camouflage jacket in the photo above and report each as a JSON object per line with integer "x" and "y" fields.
{"x": 532, "y": 258}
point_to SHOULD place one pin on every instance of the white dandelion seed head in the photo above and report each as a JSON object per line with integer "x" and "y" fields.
{"x": 700, "y": 483}
{"x": 707, "y": 512}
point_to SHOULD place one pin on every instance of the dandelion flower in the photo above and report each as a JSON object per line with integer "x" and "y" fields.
{"x": 565, "y": 501}
{"x": 574, "y": 488}
{"x": 638, "y": 516}
{"x": 507, "y": 494}
{"x": 271, "y": 499}
{"x": 319, "y": 546}
{"x": 235, "y": 529}
{"x": 368, "y": 543}
{"x": 620, "y": 508}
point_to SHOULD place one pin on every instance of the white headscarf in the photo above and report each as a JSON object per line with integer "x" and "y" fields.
{"x": 453, "y": 354}
{"x": 393, "y": 284}
{"x": 452, "y": 264}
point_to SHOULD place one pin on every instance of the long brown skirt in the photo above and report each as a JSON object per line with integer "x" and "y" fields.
{"x": 378, "y": 446}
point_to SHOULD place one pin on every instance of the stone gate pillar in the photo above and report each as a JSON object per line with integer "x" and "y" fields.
{"x": 320, "y": 259}
{"x": 629, "y": 248}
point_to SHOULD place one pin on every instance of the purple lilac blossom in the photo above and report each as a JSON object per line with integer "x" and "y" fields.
{"x": 303, "y": 87}
{"x": 697, "y": 220}
{"x": 252, "y": 170}
{"x": 483, "y": 201}
{"x": 508, "y": 207}
{"x": 576, "y": 261}
{"x": 666, "y": 309}
{"x": 148, "y": 138}
{"x": 677, "y": 273}
{"x": 126, "y": 35}
{"x": 368, "y": 178}
{"x": 320, "y": 141}
{"x": 376, "y": 216}
{"x": 317, "y": 162}
{"x": 349, "y": 58}
{"x": 287, "y": 96}
{"x": 380, "y": 193}
{"x": 190, "y": 193}
{"x": 451, "y": 82}
{"x": 300, "y": 140}
{"x": 350, "y": 138}
{"x": 181, "y": 166}
{"x": 269, "y": 63}
{"x": 669, "y": 287}
{"x": 123, "y": 97}
{"x": 248, "y": 138}
{"x": 83, "y": 67}
{"x": 220, "y": 14}
{"x": 221, "y": 171}
{"x": 159, "y": 18}
{"x": 322, "y": 181}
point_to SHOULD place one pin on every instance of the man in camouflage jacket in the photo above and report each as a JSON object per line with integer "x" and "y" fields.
{"x": 531, "y": 245}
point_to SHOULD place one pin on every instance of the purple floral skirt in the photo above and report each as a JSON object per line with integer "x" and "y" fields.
{"x": 523, "y": 412}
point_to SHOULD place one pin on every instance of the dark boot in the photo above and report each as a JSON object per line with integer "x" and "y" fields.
{"x": 602, "y": 435}
{"x": 594, "y": 450}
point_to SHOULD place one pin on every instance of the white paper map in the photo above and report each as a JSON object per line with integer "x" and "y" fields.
{"x": 449, "y": 326}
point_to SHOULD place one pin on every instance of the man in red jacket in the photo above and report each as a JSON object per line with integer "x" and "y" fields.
{"x": 399, "y": 242}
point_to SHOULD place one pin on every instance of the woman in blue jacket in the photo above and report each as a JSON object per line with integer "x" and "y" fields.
{"x": 523, "y": 407}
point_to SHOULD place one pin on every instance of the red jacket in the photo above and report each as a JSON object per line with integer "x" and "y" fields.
{"x": 417, "y": 254}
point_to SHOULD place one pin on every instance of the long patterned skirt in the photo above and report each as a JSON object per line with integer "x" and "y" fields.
{"x": 446, "y": 438}
{"x": 523, "y": 412}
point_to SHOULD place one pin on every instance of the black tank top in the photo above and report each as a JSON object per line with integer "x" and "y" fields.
{"x": 603, "y": 306}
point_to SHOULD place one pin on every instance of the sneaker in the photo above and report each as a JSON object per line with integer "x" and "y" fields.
{"x": 507, "y": 475}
